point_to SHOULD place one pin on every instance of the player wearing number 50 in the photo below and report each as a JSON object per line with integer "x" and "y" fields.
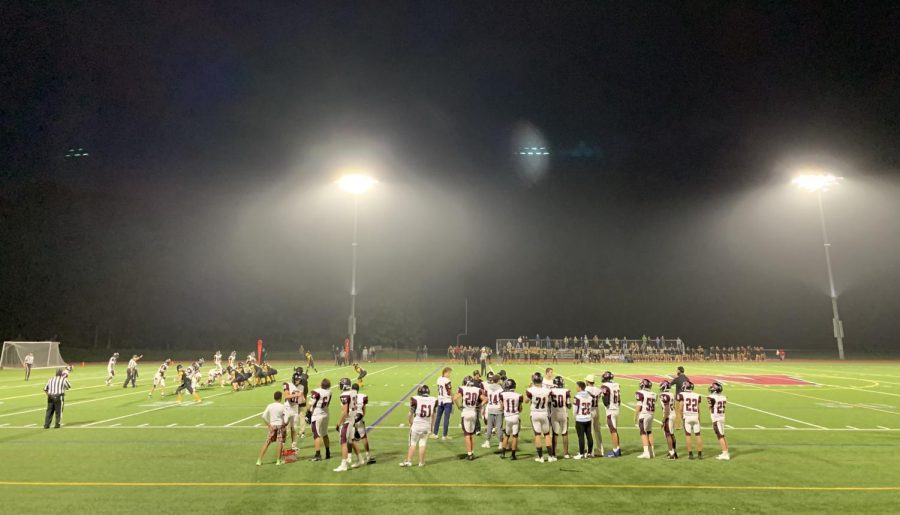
{"x": 643, "y": 416}
{"x": 467, "y": 398}
{"x": 422, "y": 414}
{"x": 688, "y": 413}
{"x": 717, "y": 403}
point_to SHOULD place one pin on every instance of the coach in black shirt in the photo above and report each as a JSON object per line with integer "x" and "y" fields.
{"x": 55, "y": 388}
{"x": 680, "y": 378}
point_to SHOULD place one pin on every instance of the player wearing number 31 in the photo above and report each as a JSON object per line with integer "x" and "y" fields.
{"x": 643, "y": 416}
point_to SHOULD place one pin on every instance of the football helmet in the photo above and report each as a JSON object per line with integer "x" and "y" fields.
{"x": 490, "y": 377}
{"x": 116, "y": 354}
{"x": 537, "y": 378}
{"x": 468, "y": 381}
{"x": 502, "y": 374}
{"x": 558, "y": 382}
{"x": 344, "y": 384}
{"x": 645, "y": 384}
{"x": 509, "y": 385}
{"x": 716, "y": 387}
{"x": 664, "y": 386}
{"x": 607, "y": 376}
{"x": 424, "y": 391}
{"x": 687, "y": 386}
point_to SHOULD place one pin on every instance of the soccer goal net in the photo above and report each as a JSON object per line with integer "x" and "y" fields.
{"x": 46, "y": 354}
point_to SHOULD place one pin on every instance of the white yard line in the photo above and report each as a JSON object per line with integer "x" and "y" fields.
{"x": 851, "y": 427}
{"x": 146, "y": 411}
{"x": 69, "y": 404}
{"x": 790, "y": 427}
{"x": 42, "y": 393}
{"x": 775, "y": 414}
{"x": 759, "y": 426}
{"x": 243, "y": 419}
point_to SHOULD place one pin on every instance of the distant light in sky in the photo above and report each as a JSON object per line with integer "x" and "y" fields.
{"x": 816, "y": 181}
{"x": 357, "y": 184}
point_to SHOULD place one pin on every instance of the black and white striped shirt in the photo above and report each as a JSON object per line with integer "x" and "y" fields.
{"x": 57, "y": 385}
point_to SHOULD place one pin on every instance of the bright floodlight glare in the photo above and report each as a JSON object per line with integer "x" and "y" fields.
{"x": 816, "y": 182}
{"x": 356, "y": 184}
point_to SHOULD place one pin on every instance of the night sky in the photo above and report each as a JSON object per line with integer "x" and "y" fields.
{"x": 205, "y": 211}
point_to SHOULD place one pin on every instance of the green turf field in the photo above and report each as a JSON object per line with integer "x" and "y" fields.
{"x": 830, "y": 446}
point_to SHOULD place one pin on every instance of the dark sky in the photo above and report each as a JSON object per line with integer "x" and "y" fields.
{"x": 205, "y": 210}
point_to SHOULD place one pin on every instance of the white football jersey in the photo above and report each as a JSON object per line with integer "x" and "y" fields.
{"x": 540, "y": 400}
{"x": 493, "y": 391}
{"x": 559, "y": 400}
{"x": 690, "y": 404}
{"x": 290, "y": 389}
{"x": 667, "y": 401}
{"x": 594, "y": 392}
{"x": 512, "y": 404}
{"x": 348, "y": 399}
{"x": 444, "y": 390}
{"x": 615, "y": 396}
{"x": 362, "y": 400}
{"x": 112, "y": 363}
{"x": 422, "y": 408}
{"x": 717, "y": 403}
{"x": 471, "y": 396}
{"x": 646, "y": 402}
{"x": 321, "y": 398}
{"x": 582, "y": 408}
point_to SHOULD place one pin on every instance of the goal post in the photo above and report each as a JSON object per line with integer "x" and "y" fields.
{"x": 46, "y": 354}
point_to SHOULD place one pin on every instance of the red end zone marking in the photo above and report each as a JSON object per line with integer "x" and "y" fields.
{"x": 780, "y": 380}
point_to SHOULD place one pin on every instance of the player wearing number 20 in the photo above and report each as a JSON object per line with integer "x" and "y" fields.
{"x": 717, "y": 403}
{"x": 539, "y": 397}
{"x": 467, "y": 398}
{"x": 422, "y": 412}
{"x": 688, "y": 410}
{"x": 643, "y": 416}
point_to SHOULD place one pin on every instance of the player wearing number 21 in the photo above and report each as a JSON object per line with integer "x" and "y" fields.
{"x": 468, "y": 397}
{"x": 422, "y": 413}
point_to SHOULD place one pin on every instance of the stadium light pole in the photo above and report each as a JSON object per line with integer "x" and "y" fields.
{"x": 819, "y": 183}
{"x": 356, "y": 185}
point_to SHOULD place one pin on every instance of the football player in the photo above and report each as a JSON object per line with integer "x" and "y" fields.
{"x": 359, "y": 424}
{"x": 184, "y": 375}
{"x": 667, "y": 401}
{"x": 512, "y": 407}
{"x": 345, "y": 426}
{"x": 717, "y": 403}
{"x": 361, "y": 373}
{"x": 594, "y": 392}
{"x": 539, "y": 398}
{"x": 310, "y": 362}
{"x": 560, "y": 403}
{"x": 643, "y": 416}
{"x": 688, "y": 412}
{"x": 493, "y": 410}
{"x": 422, "y": 412}
{"x": 612, "y": 398}
{"x": 467, "y": 399}
{"x": 111, "y": 368}
{"x": 583, "y": 409}
{"x": 317, "y": 417}
{"x": 301, "y": 381}
{"x": 292, "y": 398}
{"x": 445, "y": 402}
{"x": 232, "y": 358}
{"x": 159, "y": 379}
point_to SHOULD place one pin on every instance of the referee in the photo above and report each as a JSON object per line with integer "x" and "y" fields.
{"x": 55, "y": 388}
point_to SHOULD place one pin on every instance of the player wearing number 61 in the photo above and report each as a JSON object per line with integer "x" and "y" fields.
{"x": 422, "y": 413}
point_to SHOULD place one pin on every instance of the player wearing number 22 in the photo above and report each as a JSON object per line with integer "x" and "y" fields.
{"x": 468, "y": 397}
{"x": 688, "y": 413}
{"x": 612, "y": 398}
{"x": 422, "y": 412}
{"x": 643, "y": 416}
{"x": 539, "y": 397}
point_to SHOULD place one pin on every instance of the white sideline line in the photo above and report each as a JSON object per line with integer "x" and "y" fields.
{"x": 143, "y": 425}
{"x": 406, "y": 428}
{"x": 776, "y": 415}
{"x": 759, "y": 426}
{"x": 145, "y": 411}
{"x": 881, "y": 427}
{"x": 729, "y": 427}
{"x": 73, "y": 403}
{"x": 790, "y": 427}
{"x": 243, "y": 419}
{"x": 851, "y": 427}
{"x": 200, "y": 425}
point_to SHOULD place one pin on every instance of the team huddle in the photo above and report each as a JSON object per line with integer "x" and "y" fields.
{"x": 497, "y": 403}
